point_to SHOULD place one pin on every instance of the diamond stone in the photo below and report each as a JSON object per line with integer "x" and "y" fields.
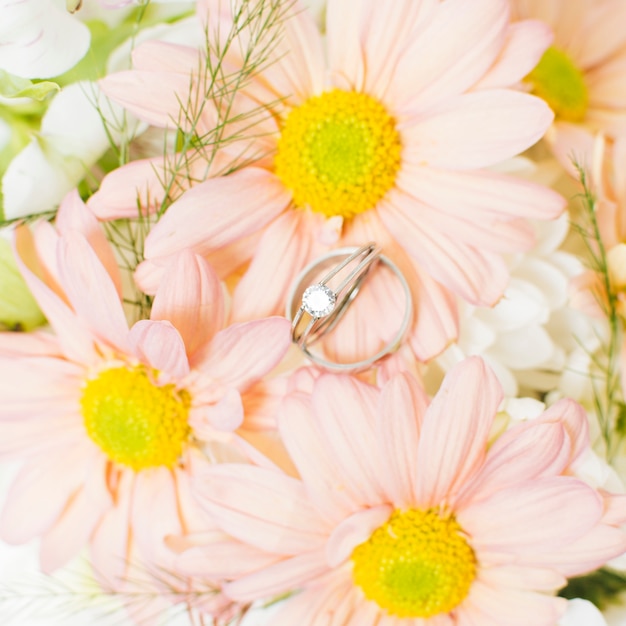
{"x": 318, "y": 300}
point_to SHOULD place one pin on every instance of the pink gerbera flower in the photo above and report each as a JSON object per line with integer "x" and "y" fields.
{"x": 581, "y": 76}
{"x": 404, "y": 513}
{"x": 387, "y": 141}
{"x": 108, "y": 418}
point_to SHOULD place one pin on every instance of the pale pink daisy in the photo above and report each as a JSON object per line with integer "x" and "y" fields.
{"x": 107, "y": 419}
{"x": 382, "y": 129}
{"x": 406, "y": 513}
{"x": 581, "y": 76}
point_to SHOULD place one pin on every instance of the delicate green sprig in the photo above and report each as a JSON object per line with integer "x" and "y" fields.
{"x": 255, "y": 32}
{"x": 608, "y": 401}
{"x": 76, "y": 593}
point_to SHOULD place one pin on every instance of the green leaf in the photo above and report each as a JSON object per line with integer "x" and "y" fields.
{"x": 16, "y": 87}
{"x": 620, "y": 422}
{"x": 18, "y": 308}
{"x": 601, "y": 588}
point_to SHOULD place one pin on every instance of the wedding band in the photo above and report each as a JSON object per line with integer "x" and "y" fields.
{"x": 315, "y": 308}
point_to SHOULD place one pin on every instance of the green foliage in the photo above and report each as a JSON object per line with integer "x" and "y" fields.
{"x": 606, "y": 385}
{"x": 16, "y": 87}
{"x": 601, "y": 587}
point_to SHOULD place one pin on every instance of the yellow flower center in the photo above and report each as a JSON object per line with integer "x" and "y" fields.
{"x": 418, "y": 564}
{"x": 339, "y": 153}
{"x": 134, "y": 421}
{"x": 561, "y": 84}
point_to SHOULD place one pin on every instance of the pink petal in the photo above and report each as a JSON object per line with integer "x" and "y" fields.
{"x": 460, "y": 42}
{"x": 226, "y": 415}
{"x": 154, "y": 97}
{"x": 264, "y": 508}
{"x": 362, "y": 54}
{"x": 222, "y": 558}
{"x": 40, "y": 493}
{"x": 75, "y": 340}
{"x": 488, "y": 233}
{"x": 160, "y": 346}
{"x": 332, "y": 602}
{"x": 155, "y": 515}
{"x": 481, "y": 196}
{"x": 606, "y": 85}
{"x": 91, "y": 291}
{"x": 243, "y": 353}
{"x": 218, "y": 212}
{"x": 614, "y": 509}
{"x": 572, "y": 143}
{"x": 163, "y": 56}
{"x": 574, "y": 419}
{"x": 520, "y": 454}
{"x": 124, "y": 192}
{"x": 478, "y": 276}
{"x": 318, "y": 468}
{"x": 477, "y": 130}
{"x": 500, "y": 605}
{"x": 110, "y": 549}
{"x": 353, "y": 531}
{"x": 27, "y": 439}
{"x": 282, "y": 252}
{"x": 584, "y": 555}
{"x": 73, "y": 529}
{"x": 437, "y": 319}
{"x": 190, "y": 297}
{"x": 537, "y": 516}
{"x": 345, "y": 409}
{"x": 261, "y": 402}
{"x": 454, "y": 434}
{"x": 297, "y": 64}
{"x": 73, "y": 214}
{"x": 34, "y": 343}
{"x": 603, "y": 34}
{"x": 399, "y": 421}
{"x": 29, "y": 385}
{"x": 525, "y": 44}
{"x": 522, "y": 577}
{"x": 279, "y": 578}
{"x": 345, "y": 55}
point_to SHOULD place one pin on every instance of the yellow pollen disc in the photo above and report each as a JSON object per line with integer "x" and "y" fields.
{"x": 339, "y": 153}
{"x": 135, "y": 422}
{"x": 561, "y": 84}
{"x": 417, "y": 564}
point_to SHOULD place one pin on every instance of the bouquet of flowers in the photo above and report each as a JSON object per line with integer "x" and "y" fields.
{"x": 313, "y": 313}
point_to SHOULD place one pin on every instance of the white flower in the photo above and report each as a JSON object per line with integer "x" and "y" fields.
{"x": 582, "y": 613}
{"x": 39, "y": 38}
{"x": 72, "y": 138}
{"x": 528, "y": 336}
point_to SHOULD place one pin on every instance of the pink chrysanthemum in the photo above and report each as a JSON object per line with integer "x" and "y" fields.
{"x": 107, "y": 418}
{"x": 581, "y": 76}
{"x": 386, "y": 142}
{"x": 404, "y": 513}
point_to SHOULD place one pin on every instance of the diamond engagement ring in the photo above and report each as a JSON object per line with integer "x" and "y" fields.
{"x": 315, "y": 308}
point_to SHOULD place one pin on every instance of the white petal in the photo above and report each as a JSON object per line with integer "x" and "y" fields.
{"x": 30, "y": 172}
{"x": 71, "y": 139}
{"x": 523, "y": 304}
{"x": 39, "y": 38}
{"x": 524, "y": 348}
{"x": 582, "y": 613}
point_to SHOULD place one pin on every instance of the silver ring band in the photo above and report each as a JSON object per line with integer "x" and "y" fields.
{"x": 316, "y": 308}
